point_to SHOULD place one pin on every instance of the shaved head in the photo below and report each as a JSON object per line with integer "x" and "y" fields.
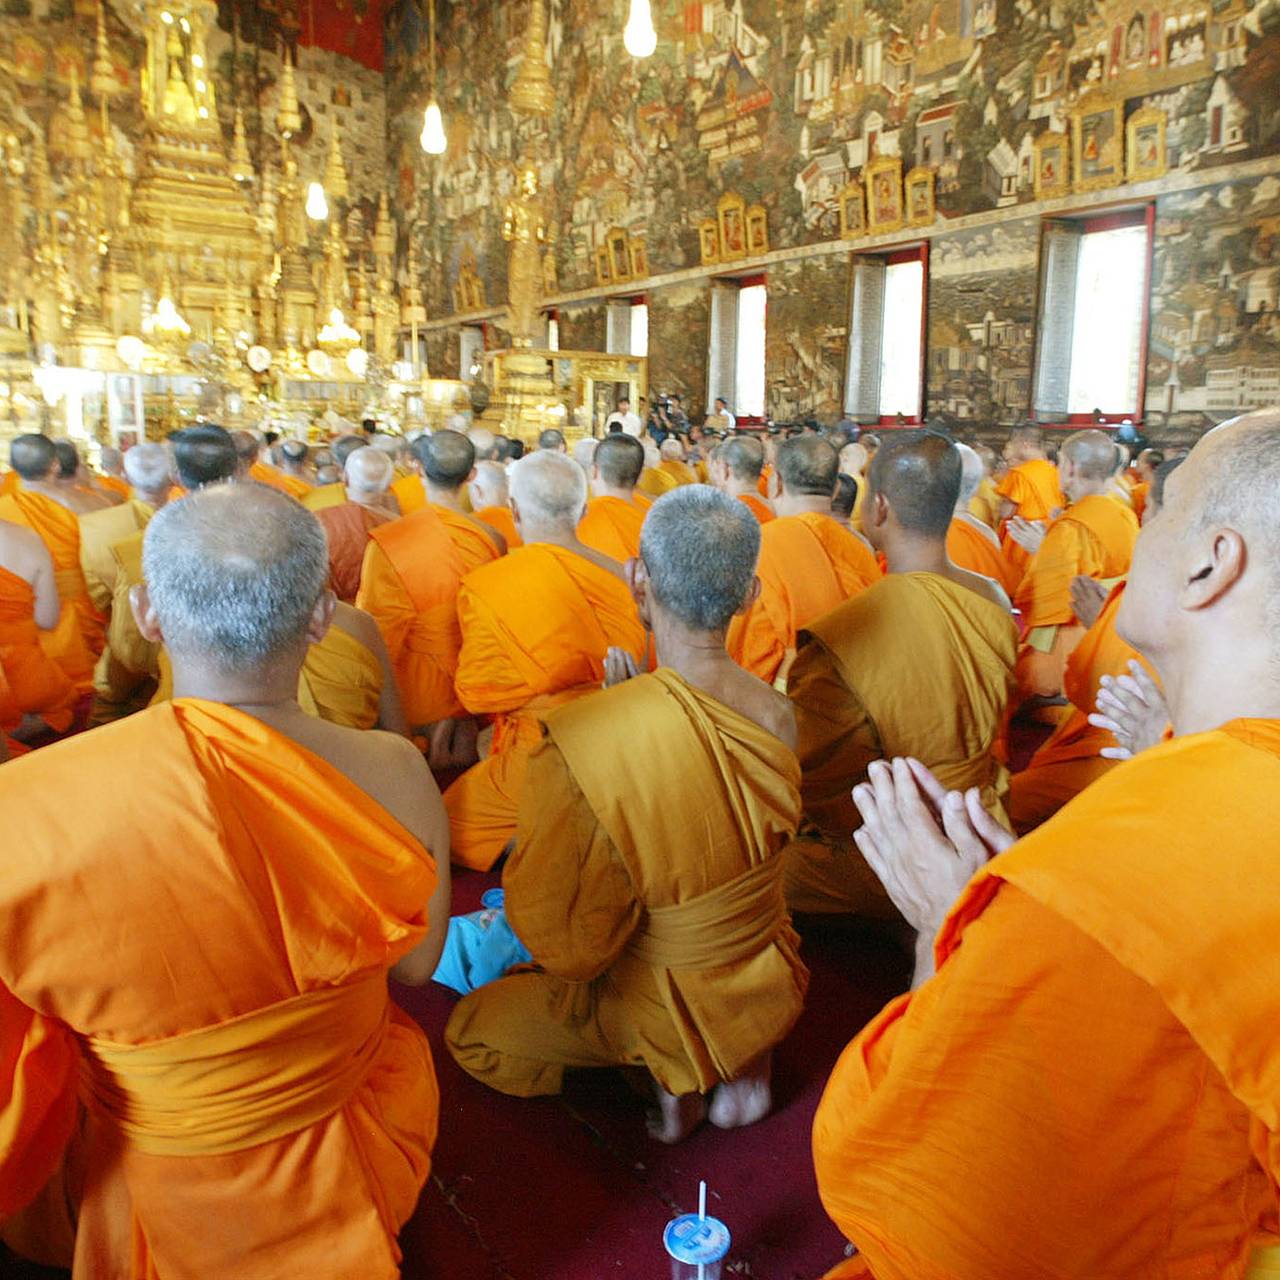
{"x": 485, "y": 442}
{"x": 234, "y": 574}
{"x": 344, "y": 446}
{"x": 489, "y": 486}
{"x": 112, "y": 459}
{"x": 148, "y": 468}
{"x": 1093, "y": 454}
{"x": 247, "y": 447}
{"x": 619, "y": 459}
{"x": 971, "y": 474}
{"x": 584, "y": 452}
{"x": 1028, "y": 434}
{"x": 845, "y": 497}
{"x": 446, "y": 458}
{"x": 202, "y": 455}
{"x": 672, "y": 448}
{"x": 294, "y": 451}
{"x": 32, "y": 456}
{"x": 548, "y": 490}
{"x": 743, "y": 456}
{"x": 808, "y": 465}
{"x": 552, "y": 441}
{"x": 369, "y": 472}
{"x": 853, "y": 459}
{"x": 918, "y": 474}
{"x": 68, "y": 458}
{"x": 1162, "y": 473}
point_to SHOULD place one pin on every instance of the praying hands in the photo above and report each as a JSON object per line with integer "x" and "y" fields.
{"x": 1133, "y": 708}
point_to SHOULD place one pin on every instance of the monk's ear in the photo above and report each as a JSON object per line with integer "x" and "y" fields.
{"x": 1219, "y": 564}
{"x": 752, "y": 596}
{"x": 638, "y": 581}
{"x": 322, "y": 617}
{"x": 879, "y": 510}
{"x": 472, "y": 476}
{"x": 144, "y": 615}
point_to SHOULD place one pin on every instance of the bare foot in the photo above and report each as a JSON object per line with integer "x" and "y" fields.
{"x": 674, "y": 1118}
{"x": 745, "y": 1100}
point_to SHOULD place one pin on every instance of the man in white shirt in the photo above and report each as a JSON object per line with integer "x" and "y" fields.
{"x": 629, "y": 421}
{"x": 720, "y": 419}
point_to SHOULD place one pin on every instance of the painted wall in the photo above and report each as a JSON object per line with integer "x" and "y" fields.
{"x": 782, "y": 102}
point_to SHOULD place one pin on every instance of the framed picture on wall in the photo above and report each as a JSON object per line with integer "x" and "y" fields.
{"x": 474, "y": 291}
{"x": 1145, "y": 155}
{"x": 1097, "y": 143}
{"x": 919, "y": 192}
{"x": 603, "y": 274}
{"x": 731, "y": 214}
{"x": 1052, "y": 166}
{"x": 883, "y": 177}
{"x": 639, "y": 255}
{"x": 757, "y": 230}
{"x": 709, "y": 241}
{"x": 853, "y": 212}
{"x": 619, "y": 254}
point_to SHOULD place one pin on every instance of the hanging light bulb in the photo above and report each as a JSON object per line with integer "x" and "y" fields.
{"x": 317, "y": 203}
{"x": 639, "y": 36}
{"x": 434, "y": 142}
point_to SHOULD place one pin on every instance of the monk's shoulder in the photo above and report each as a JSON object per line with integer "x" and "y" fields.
{"x": 357, "y": 624}
{"x": 774, "y": 712}
{"x": 978, "y": 584}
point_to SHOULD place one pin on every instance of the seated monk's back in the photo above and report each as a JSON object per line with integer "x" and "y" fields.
{"x": 264, "y": 877}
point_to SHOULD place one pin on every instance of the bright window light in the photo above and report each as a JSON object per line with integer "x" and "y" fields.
{"x": 639, "y": 329}
{"x": 752, "y": 306}
{"x": 1106, "y": 345}
{"x": 553, "y": 333}
{"x": 900, "y": 348}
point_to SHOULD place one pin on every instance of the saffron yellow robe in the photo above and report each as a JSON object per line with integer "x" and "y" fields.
{"x": 1036, "y": 494}
{"x": 970, "y": 548}
{"x": 808, "y": 565}
{"x": 536, "y": 626}
{"x": 35, "y": 684}
{"x": 612, "y": 527}
{"x": 325, "y": 495}
{"x": 915, "y": 665}
{"x": 410, "y": 493}
{"x": 99, "y": 532}
{"x": 758, "y": 507}
{"x": 1087, "y": 1085}
{"x": 501, "y": 519}
{"x": 412, "y": 570}
{"x": 654, "y": 481}
{"x": 1093, "y": 538}
{"x": 347, "y": 529}
{"x": 658, "y": 926}
{"x": 265, "y": 473}
{"x": 75, "y": 643}
{"x": 239, "y": 1058}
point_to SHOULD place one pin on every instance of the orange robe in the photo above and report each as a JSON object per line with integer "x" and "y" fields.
{"x": 612, "y": 527}
{"x": 325, "y": 495}
{"x": 916, "y": 665}
{"x": 75, "y": 643}
{"x": 347, "y": 529}
{"x": 758, "y": 507}
{"x": 764, "y": 486}
{"x": 501, "y": 519}
{"x": 535, "y": 630}
{"x": 681, "y": 472}
{"x": 36, "y": 684}
{"x": 654, "y": 481}
{"x": 1069, "y": 761}
{"x": 9, "y": 482}
{"x": 1036, "y": 494}
{"x": 986, "y": 503}
{"x": 113, "y": 484}
{"x": 1139, "y": 494}
{"x": 265, "y": 473}
{"x": 1087, "y": 1085}
{"x": 1093, "y": 538}
{"x": 409, "y": 583}
{"x": 808, "y": 565}
{"x": 970, "y": 548}
{"x": 239, "y": 1057}
{"x": 410, "y": 493}
{"x": 589, "y": 876}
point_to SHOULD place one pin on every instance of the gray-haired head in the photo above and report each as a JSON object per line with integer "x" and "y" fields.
{"x": 148, "y": 468}
{"x": 549, "y": 491}
{"x": 619, "y": 459}
{"x": 112, "y": 460}
{"x": 32, "y": 456}
{"x": 699, "y": 548}
{"x": 584, "y": 452}
{"x": 971, "y": 473}
{"x": 743, "y": 457}
{"x": 552, "y": 441}
{"x": 234, "y": 573}
{"x": 489, "y": 487}
{"x": 369, "y": 472}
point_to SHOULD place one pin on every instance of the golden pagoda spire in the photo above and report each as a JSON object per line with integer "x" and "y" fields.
{"x": 288, "y": 115}
{"x": 102, "y": 83}
{"x": 335, "y": 171}
{"x": 241, "y": 161}
{"x": 78, "y": 147}
{"x": 384, "y": 236}
{"x": 412, "y": 310}
{"x": 532, "y": 94}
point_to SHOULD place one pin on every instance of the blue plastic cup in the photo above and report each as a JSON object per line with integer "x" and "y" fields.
{"x": 696, "y": 1246}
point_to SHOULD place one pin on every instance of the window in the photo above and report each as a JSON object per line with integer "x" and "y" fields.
{"x": 736, "y": 367}
{"x": 553, "y": 330}
{"x": 627, "y": 327}
{"x": 1095, "y": 279}
{"x": 884, "y": 380}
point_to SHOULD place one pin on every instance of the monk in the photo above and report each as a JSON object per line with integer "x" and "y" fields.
{"x": 203, "y": 455}
{"x": 808, "y": 563}
{"x": 1092, "y": 538}
{"x": 112, "y": 478}
{"x": 348, "y": 528}
{"x": 536, "y": 626}
{"x": 657, "y": 923}
{"x": 985, "y": 503}
{"x": 854, "y": 461}
{"x": 1029, "y": 491}
{"x": 295, "y": 462}
{"x": 36, "y": 686}
{"x": 74, "y": 484}
{"x": 654, "y": 481}
{"x": 44, "y": 506}
{"x": 239, "y": 1057}
{"x": 972, "y": 543}
{"x": 334, "y": 494}
{"x": 552, "y": 441}
{"x": 409, "y": 582}
{"x": 931, "y": 628}
{"x": 1144, "y": 472}
{"x": 673, "y": 462}
{"x": 1083, "y": 1089}
{"x": 611, "y": 523}
{"x": 1078, "y": 752}
{"x": 253, "y": 468}
{"x": 735, "y": 469}
{"x": 490, "y": 495}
